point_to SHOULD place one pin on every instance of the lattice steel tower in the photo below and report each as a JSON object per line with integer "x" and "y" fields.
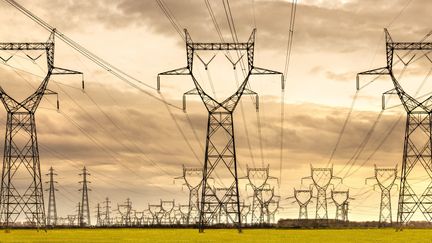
{"x": 107, "y": 218}
{"x": 21, "y": 152}
{"x": 417, "y": 144}
{"x": 302, "y": 198}
{"x": 84, "y": 213}
{"x": 258, "y": 179}
{"x": 220, "y": 152}
{"x": 321, "y": 178}
{"x": 341, "y": 202}
{"x": 125, "y": 211}
{"x": 98, "y": 216}
{"x": 52, "y": 208}
{"x": 192, "y": 179}
{"x": 385, "y": 178}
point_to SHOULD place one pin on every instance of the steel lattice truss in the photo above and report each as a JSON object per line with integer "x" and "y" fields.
{"x": 302, "y": 198}
{"x": 417, "y": 152}
{"x": 321, "y": 179}
{"x": 341, "y": 202}
{"x": 385, "y": 178}
{"x": 125, "y": 211}
{"x": 84, "y": 209}
{"x": 258, "y": 179}
{"x": 24, "y": 156}
{"x": 52, "y": 209}
{"x": 220, "y": 125}
{"x": 189, "y": 176}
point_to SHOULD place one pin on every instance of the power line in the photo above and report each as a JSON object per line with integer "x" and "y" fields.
{"x": 285, "y": 74}
{"x": 91, "y": 56}
{"x": 170, "y": 17}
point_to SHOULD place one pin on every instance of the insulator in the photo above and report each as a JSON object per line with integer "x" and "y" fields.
{"x": 357, "y": 82}
{"x": 282, "y": 82}
{"x": 184, "y": 103}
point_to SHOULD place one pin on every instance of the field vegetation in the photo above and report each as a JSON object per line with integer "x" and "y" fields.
{"x": 216, "y": 235}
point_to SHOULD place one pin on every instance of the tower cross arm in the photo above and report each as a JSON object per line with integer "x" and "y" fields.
{"x": 258, "y": 71}
{"x": 410, "y": 45}
{"x": 223, "y": 46}
{"x": 31, "y": 46}
{"x": 177, "y": 71}
{"x": 376, "y": 71}
{"x": 64, "y": 71}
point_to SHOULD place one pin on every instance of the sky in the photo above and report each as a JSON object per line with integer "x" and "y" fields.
{"x": 134, "y": 145}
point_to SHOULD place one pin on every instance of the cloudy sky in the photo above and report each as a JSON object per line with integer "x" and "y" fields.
{"x": 134, "y": 145}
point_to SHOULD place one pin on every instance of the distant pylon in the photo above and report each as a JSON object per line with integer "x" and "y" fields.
{"x": 341, "y": 202}
{"x": 385, "y": 178}
{"x": 258, "y": 179}
{"x": 302, "y": 198}
{"x": 125, "y": 211}
{"x": 156, "y": 213}
{"x": 192, "y": 178}
{"x": 245, "y": 211}
{"x": 52, "y": 208}
{"x": 167, "y": 210}
{"x": 85, "y": 207}
{"x": 184, "y": 212}
{"x": 273, "y": 207}
{"x": 321, "y": 179}
{"x": 107, "y": 208}
{"x": 71, "y": 219}
{"x": 79, "y": 214}
{"x": 21, "y": 152}
{"x": 220, "y": 152}
{"x": 98, "y": 215}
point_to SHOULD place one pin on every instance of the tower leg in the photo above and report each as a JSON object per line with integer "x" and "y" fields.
{"x": 220, "y": 158}
{"x": 21, "y": 156}
{"x": 417, "y": 151}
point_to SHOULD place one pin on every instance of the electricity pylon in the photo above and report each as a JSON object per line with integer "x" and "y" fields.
{"x": 52, "y": 209}
{"x": 220, "y": 152}
{"x": 166, "y": 212}
{"x": 98, "y": 215}
{"x": 125, "y": 211}
{"x": 21, "y": 152}
{"x": 273, "y": 207}
{"x": 107, "y": 214}
{"x": 321, "y": 179}
{"x": 85, "y": 207}
{"x": 258, "y": 179}
{"x": 385, "y": 178}
{"x": 417, "y": 146}
{"x": 71, "y": 219}
{"x": 155, "y": 211}
{"x": 245, "y": 210}
{"x": 79, "y": 214}
{"x": 302, "y": 198}
{"x": 341, "y": 202}
{"x": 192, "y": 179}
{"x": 184, "y": 212}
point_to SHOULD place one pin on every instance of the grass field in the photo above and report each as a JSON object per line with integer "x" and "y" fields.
{"x": 191, "y": 235}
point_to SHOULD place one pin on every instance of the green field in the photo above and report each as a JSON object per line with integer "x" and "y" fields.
{"x": 191, "y": 235}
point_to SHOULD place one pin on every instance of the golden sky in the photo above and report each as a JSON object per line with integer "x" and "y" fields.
{"x": 133, "y": 148}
